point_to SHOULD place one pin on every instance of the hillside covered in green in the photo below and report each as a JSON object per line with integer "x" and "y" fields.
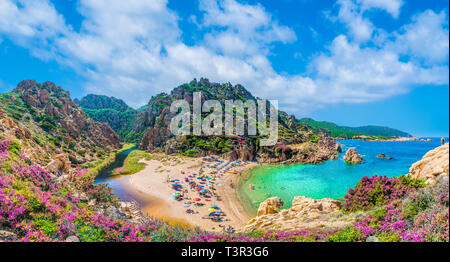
{"x": 120, "y": 117}
{"x": 362, "y": 132}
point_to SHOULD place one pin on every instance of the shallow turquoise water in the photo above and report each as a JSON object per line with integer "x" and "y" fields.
{"x": 332, "y": 178}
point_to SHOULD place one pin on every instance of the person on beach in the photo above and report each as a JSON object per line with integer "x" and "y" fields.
{"x": 442, "y": 140}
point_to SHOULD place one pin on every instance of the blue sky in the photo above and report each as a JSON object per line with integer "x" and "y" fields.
{"x": 353, "y": 62}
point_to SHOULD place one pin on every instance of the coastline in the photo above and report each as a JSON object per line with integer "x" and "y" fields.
{"x": 152, "y": 187}
{"x": 396, "y": 139}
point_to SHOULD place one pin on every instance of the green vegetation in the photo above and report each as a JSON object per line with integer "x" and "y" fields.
{"x": 120, "y": 117}
{"x": 347, "y": 235}
{"x": 363, "y": 132}
{"x": 131, "y": 164}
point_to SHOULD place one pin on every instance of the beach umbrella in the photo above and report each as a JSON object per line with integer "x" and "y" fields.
{"x": 211, "y": 210}
{"x": 199, "y": 189}
{"x": 197, "y": 199}
{"x": 186, "y": 205}
{"x": 215, "y": 206}
{"x": 201, "y": 186}
{"x": 204, "y": 190}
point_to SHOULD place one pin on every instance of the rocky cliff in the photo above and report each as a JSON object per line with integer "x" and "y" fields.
{"x": 433, "y": 164}
{"x": 297, "y": 142}
{"x": 46, "y": 122}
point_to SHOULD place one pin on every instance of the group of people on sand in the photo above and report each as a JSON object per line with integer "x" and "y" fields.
{"x": 199, "y": 188}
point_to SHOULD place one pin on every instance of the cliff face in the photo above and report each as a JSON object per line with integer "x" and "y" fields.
{"x": 53, "y": 103}
{"x": 297, "y": 143}
{"x": 433, "y": 164}
{"x": 46, "y": 122}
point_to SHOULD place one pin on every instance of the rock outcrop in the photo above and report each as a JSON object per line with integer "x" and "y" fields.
{"x": 352, "y": 156}
{"x": 305, "y": 213}
{"x": 58, "y": 165}
{"x": 56, "y": 113}
{"x": 270, "y": 206}
{"x": 314, "y": 148}
{"x": 6, "y": 235}
{"x": 433, "y": 164}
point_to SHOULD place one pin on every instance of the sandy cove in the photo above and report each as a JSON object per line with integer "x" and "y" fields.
{"x": 153, "y": 184}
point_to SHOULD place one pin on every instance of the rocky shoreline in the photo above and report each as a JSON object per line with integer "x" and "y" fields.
{"x": 308, "y": 213}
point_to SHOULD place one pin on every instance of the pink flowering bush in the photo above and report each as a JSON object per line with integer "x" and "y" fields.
{"x": 378, "y": 191}
{"x": 38, "y": 176}
{"x": 4, "y": 147}
{"x": 421, "y": 216}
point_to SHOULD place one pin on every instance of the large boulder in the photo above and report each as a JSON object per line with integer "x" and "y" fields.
{"x": 59, "y": 165}
{"x": 270, "y": 206}
{"x": 433, "y": 164}
{"x": 305, "y": 213}
{"x": 306, "y": 205}
{"x": 352, "y": 156}
{"x": 7, "y": 236}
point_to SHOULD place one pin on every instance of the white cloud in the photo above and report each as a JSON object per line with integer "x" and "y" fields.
{"x": 425, "y": 38}
{"x": 390, "y": 6}
{"x": 241, "y": 29}
{"x": 353, "y": 74}
{"x": 24, "y": 19}
{"x": 350, "y": 13}
{"x": 133, "y": 50}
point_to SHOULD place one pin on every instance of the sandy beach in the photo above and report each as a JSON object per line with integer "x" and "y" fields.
{"x": 186, "y": 191}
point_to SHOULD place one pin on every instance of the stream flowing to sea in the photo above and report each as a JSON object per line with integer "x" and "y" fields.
{"x": 117, "y": 182}
{"x": 333, "y": 178}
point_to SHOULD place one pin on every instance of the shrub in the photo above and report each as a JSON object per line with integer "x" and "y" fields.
{"x": 191, "y": 152}
{"x": 375, "y": 191}
{"x": 347, "y": 235}
{"x": 46, "y": 226}
{"x": 386, "y": 237}
{"x": 14, "y": 147}
{"x": 90, "y": 234}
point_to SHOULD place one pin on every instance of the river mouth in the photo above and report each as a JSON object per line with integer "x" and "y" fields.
{"x": 150, "y": 206}
{"x": 330, "y": 179}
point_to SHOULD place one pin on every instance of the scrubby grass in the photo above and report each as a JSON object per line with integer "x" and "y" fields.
{"x": 131, "y": 164}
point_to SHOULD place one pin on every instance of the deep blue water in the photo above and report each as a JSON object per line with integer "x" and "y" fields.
{"x": 333, "y": 178}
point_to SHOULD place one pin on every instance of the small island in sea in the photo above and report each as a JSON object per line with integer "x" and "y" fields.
{"x": 95, "y": 169}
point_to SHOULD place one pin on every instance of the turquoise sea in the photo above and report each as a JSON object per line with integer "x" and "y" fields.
{"x": 332, "y": 178}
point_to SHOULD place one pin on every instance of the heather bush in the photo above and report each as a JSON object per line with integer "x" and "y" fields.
{"x": 39, "y": 177}
{"x": 378, "y": 191}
